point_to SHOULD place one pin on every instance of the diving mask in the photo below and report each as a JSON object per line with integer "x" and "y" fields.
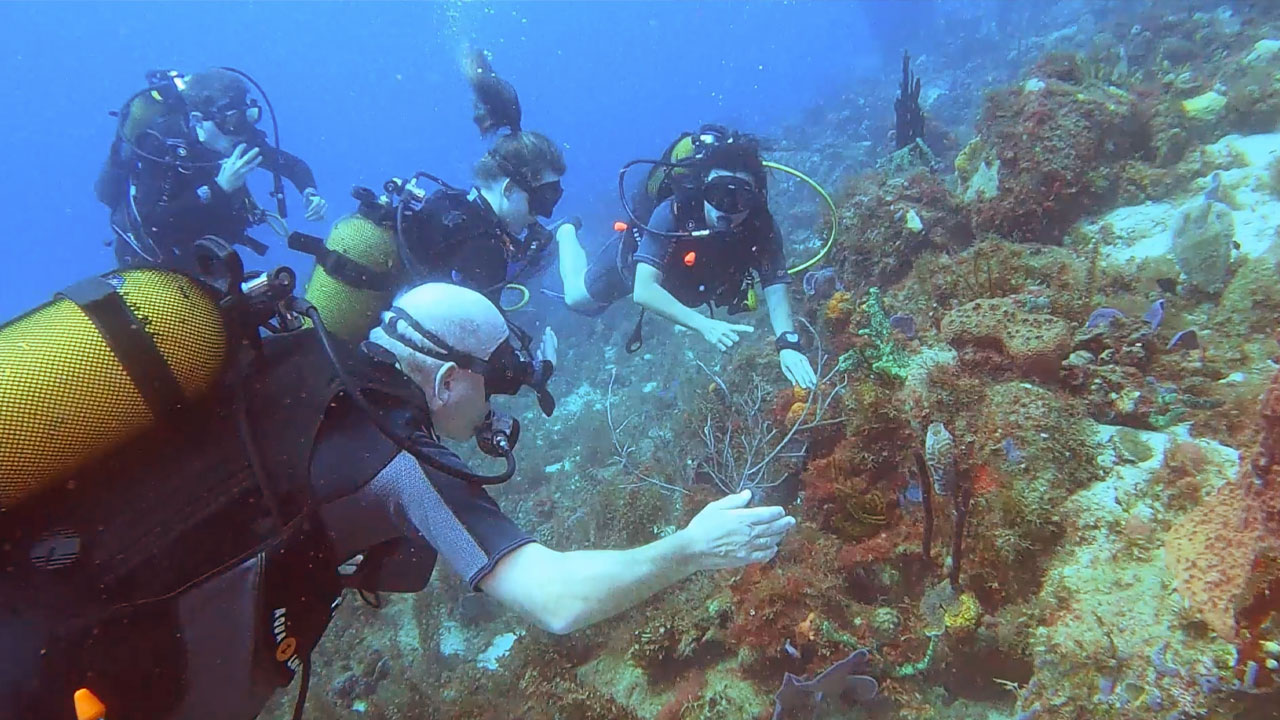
{"x": 507, "y": 369}
{"x": 730, "y": 194}
{"x": 235, "y": 119}
{"x": 543, "y": 198}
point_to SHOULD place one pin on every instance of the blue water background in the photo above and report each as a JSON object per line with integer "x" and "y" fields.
{"x": 368, "y": 90}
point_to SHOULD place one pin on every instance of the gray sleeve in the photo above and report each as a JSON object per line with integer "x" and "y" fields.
{"x": 654, "y": 249}
{"x": 460, "y": 520}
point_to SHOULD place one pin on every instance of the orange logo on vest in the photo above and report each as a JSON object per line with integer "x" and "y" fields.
{"x": 285, "y": 649}
{"x": 690, "y": 258}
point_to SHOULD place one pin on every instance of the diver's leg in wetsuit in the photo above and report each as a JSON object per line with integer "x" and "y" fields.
{"x": 573, "y": 268}
{"x": 590, "y": 288}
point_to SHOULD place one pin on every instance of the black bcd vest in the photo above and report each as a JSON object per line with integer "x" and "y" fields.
{"x": 91, "y": 572}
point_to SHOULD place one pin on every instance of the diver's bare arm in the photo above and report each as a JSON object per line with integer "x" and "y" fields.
{"x": 649, "y": 294}
{"x": 779, "y": 302}
{"x": 566, "y": 591}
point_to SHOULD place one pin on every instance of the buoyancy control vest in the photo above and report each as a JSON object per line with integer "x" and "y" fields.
{"x": 95, "y": 556}
{"x": 713, "y": 269}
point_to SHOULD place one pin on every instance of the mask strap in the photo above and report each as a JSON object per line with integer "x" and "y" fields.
{"x": 509, "y": 170}
{"x": 446, "y": 353}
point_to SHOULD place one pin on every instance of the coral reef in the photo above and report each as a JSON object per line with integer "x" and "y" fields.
{"x": 1042, "y": 487}
{"x": 1055, "y": 144}
{"x": 886, "y": 221}
{"x": 1210, "y": 552}
{"x": 882, "y": 352}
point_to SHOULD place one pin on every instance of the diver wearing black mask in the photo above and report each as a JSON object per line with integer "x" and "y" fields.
{"x": 699, "y": 232}
{"x": 488, "y": 236}
{"x": 177, "y": 169}
{"x": 509, "y": 367}
{"x": 314, "y": 467}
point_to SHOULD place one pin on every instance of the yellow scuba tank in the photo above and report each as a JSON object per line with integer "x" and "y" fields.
{"x": 683, "y": 148}
{"x": 163, "y": 93}
{"x": 355, "y": 277}
{"x": 98, "y": 365}
{"x": 140, "y": 113}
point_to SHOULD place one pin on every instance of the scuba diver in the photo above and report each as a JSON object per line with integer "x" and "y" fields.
{"x": 700, "y": 229}
{"x": 187, "y": 568}
{"x": 489, "y": 236}
{"x": 183, "y": 151}
{"x": 420, "y": 229}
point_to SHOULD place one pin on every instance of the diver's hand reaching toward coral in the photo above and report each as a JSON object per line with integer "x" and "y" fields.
{"x": 728, "y": 534}
{"x": 722, "y": 334}
{"x": 591, "y": 585}
{"x": 796, "y": 368}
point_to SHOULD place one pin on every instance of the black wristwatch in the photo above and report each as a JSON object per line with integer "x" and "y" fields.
{"x": 789, "y": 340}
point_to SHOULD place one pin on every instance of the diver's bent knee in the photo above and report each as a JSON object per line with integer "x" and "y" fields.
{"x": 584, "y": 305}
{"x": 577, "y": 297}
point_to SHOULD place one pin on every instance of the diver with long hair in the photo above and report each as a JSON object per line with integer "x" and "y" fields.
{"x": 489, "y": 235}
{"x": 497, "y": 106}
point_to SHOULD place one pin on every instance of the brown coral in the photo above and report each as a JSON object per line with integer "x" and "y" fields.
{"x": 1210, "y": 553}
{"x": 1223, "y": 553}
{"x": 1059, "y": 142}
{"x": 1036, "y": 344}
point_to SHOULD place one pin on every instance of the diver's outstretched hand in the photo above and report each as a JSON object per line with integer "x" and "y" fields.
{"x": 722, "y": 334}
{"x": 728, "y": 534}
{"x": 235, "y": 169}
{"x": 796, "y": 368}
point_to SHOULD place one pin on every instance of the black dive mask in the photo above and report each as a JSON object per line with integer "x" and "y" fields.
{"x": 730, "y": 194}
{"x": 508, "y": 368}
{"x": 236, "y": 119}
{"x": 543, "y": 198}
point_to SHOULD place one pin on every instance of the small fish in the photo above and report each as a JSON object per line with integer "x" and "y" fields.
{"x": 1213, "y": 193}
{"x": 1167, "y": 284}
{"x": 791, "y": 649}
{"x": 904, "y": 324}
{"x": 824, "y": 283}
{"x": 940, "y": 454}
{"x": 1012, "y": 454}
{"x": 913, "y": 494}
{"x": 1102, "y": 316}
{"x": 669, "y": 391}
{"x": 1186, "y": 340}
{"x": 1037, "y": 304}
{"x": 1155, "y": 314}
